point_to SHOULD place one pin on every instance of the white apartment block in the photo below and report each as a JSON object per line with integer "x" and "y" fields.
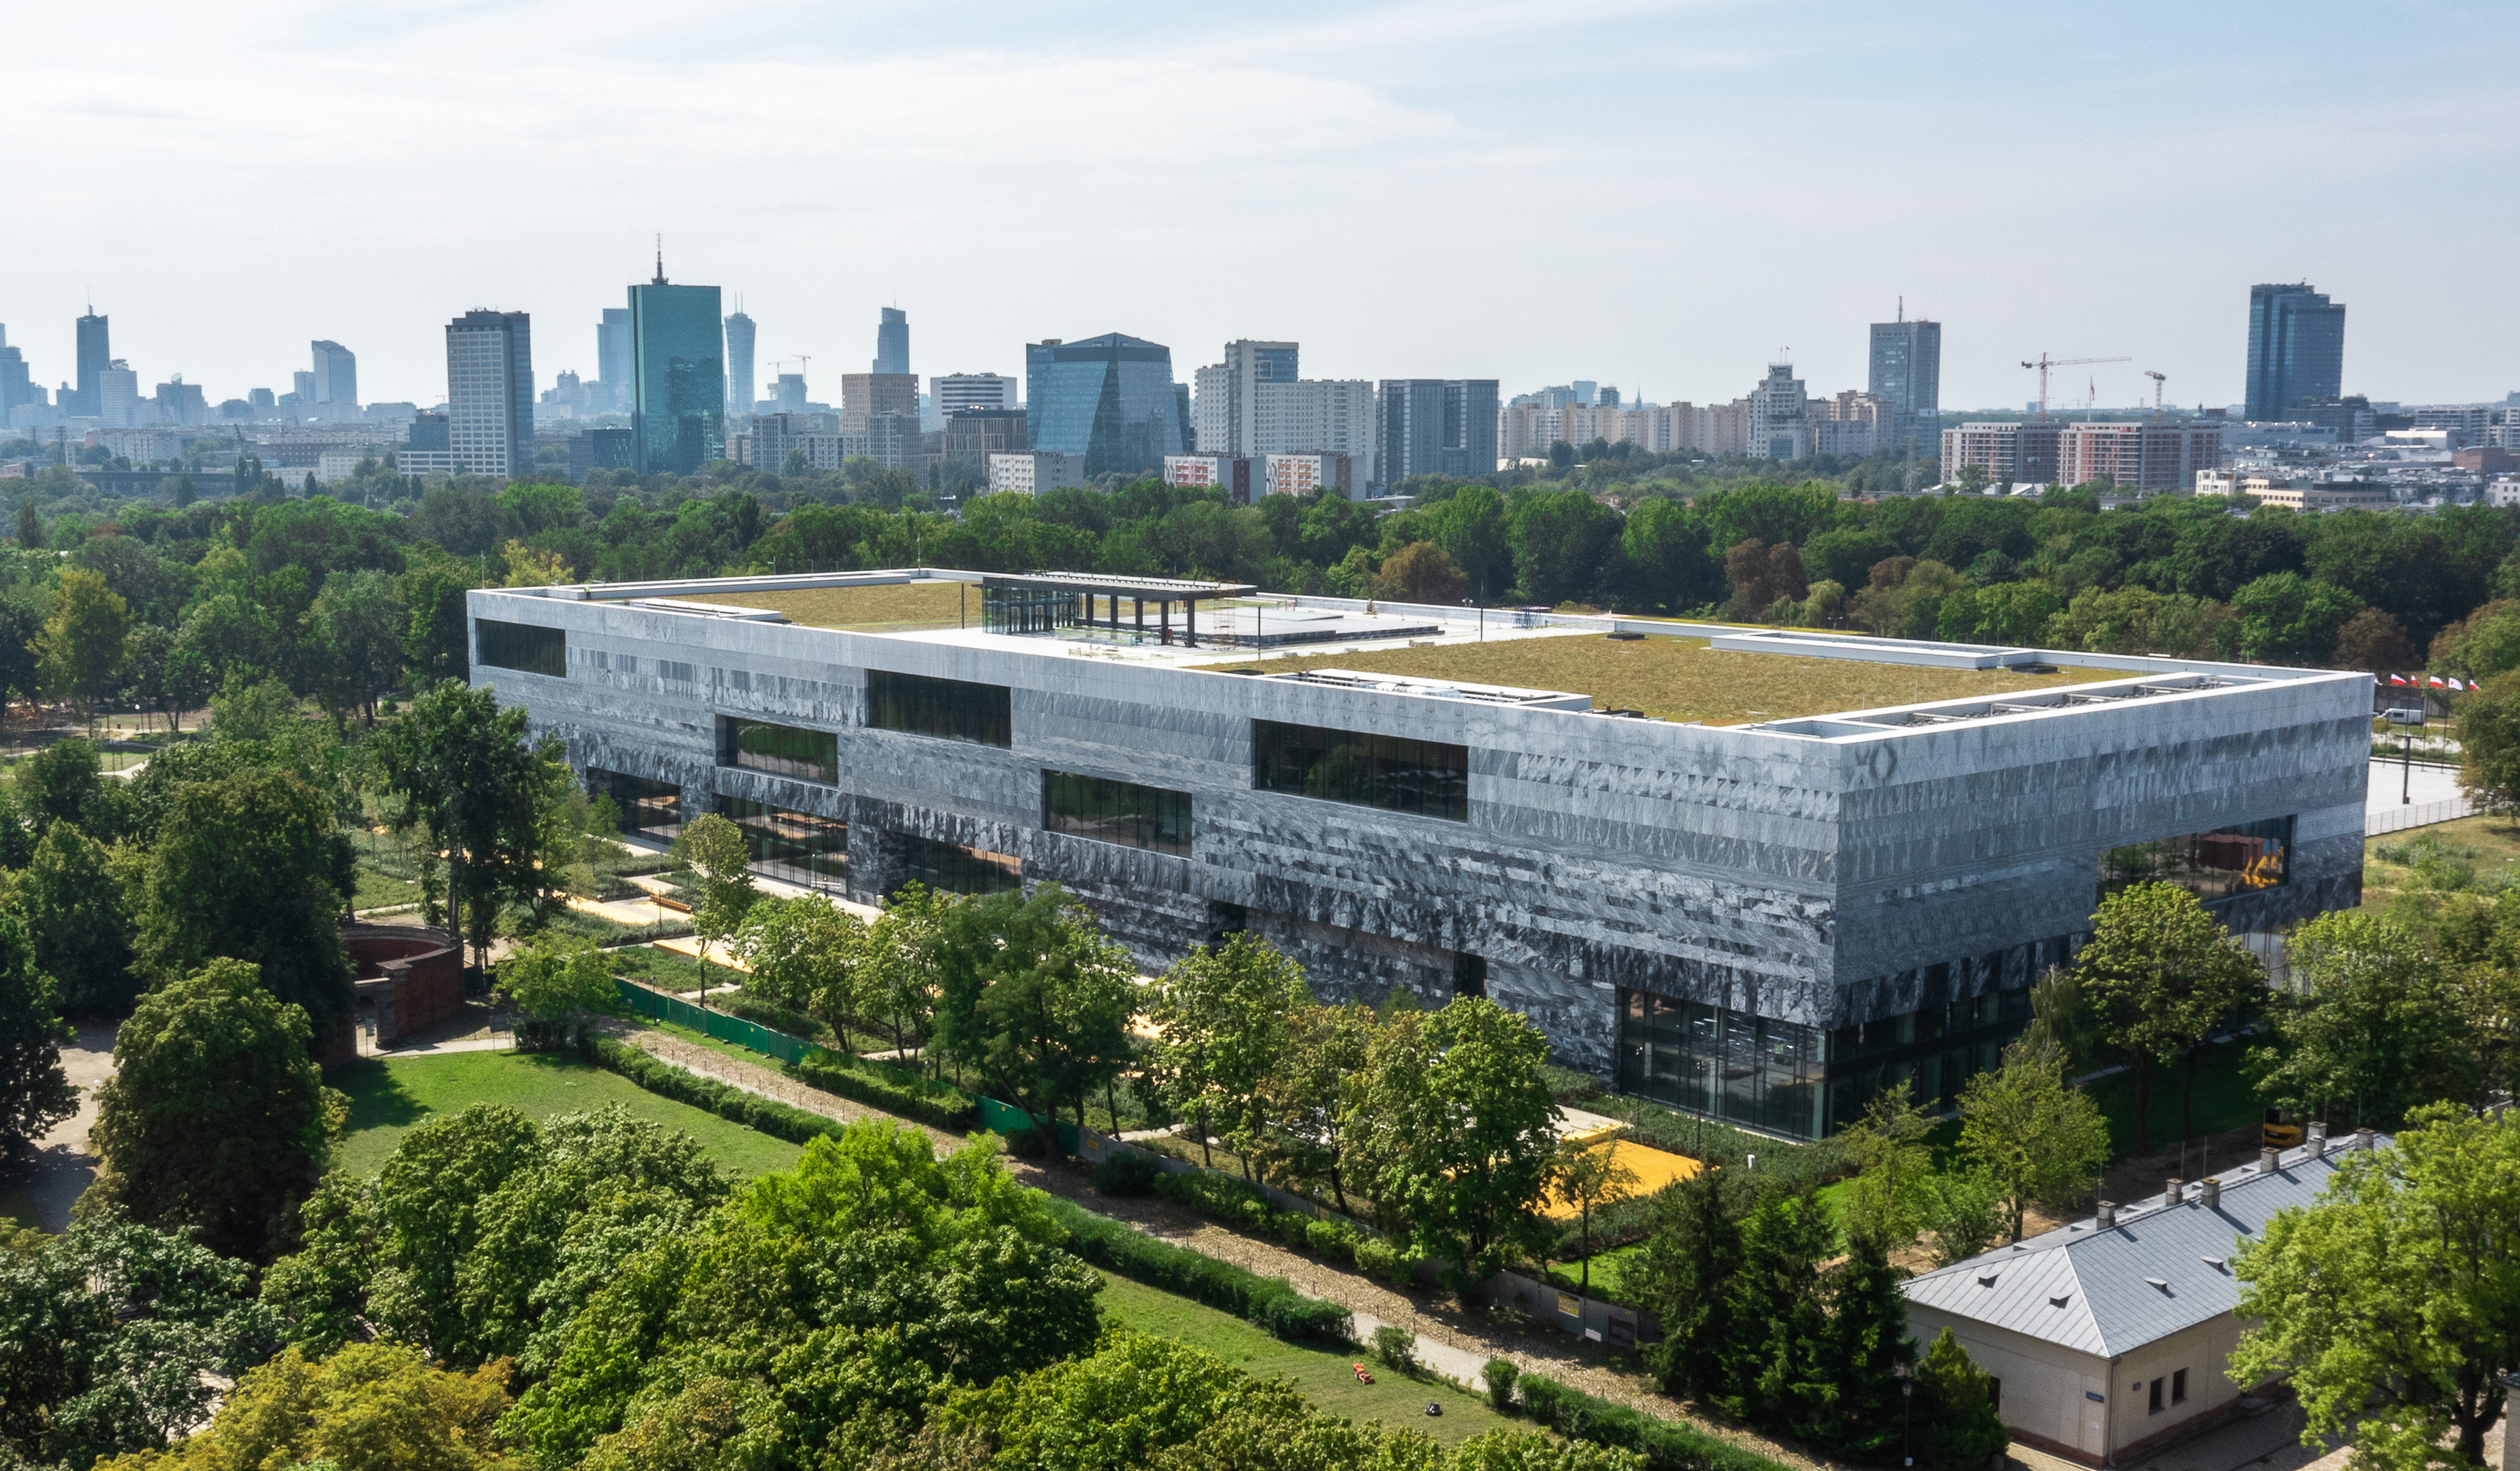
{"x": 1303, "y": 473}
{"x": 1252, "y": 403}
{"x": 1032, "y": 472}
{"x": 1780, "y": 422}
{"x": 948, "y": 392}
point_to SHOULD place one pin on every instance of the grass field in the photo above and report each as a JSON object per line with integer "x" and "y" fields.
{"x": 896, "y": 604}
{"x": 2479, "y": 853}
{"x": 1322, "y": 1375}
{"x": 1683, "y": 679}
{"x": 388, "y": 1097}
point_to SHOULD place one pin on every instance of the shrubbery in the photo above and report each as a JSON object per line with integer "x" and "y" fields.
{"x": 768, "y": 1115}
{"x": 938, "y": 1105}
{"x": 1665, "y": 1445}
{"x": 763, "y": 1012}
{"x": 1127, "y": 1173}
{"x": 1269, "y": 1302}
{"x": 1500, "y": 1374}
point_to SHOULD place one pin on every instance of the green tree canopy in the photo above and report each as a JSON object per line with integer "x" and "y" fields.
{"x": 1225, "y": 1016}
{"x": 2039, "y": 1138}
{"x": 2371, "y": 1022}
{"x": 560, "y": 983}
{"x": 1035, "y": 998}
{"x": 79, "y": 919}
{"x": 376, "y": 1407}
{"x": 2159, "y": 976}
{"x": 35, "y": 1094}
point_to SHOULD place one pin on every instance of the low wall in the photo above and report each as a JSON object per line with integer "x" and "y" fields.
{"x": 414, "y": 976}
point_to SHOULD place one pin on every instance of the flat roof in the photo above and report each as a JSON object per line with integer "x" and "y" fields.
{"x": 1152, "y": 589}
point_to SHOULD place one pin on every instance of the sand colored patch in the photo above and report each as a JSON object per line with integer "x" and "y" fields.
{"x": 1652, "y": 1168}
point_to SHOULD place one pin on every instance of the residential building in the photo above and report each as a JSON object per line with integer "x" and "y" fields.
{"x": 880, "y": 412}
{"x": 613, "y": 360}
{"x": 2149, "y": 455}
{"x": 142, "y": 447}
{"x": 1240, "y": 476}
{"x": 1765, "y": 922}
{"x": 775, "y": 436}
{"x": 2010, "y": 454}
{"x": 567, "y": 397}
{"x": 1855, "y": 424}
{"x": 1434, "y": 427}
{"x": 116, "y": 397}
{"x": 490, "y": 392}
{"x": 411, "y": 462}
{"x": 895, "y": 441}
{"x": 739, "y": 364}
{"x": 1228, "y": 394}
{"x": 1906, "y": 373}
{"x": 2296, "y": 349}
{"x": 95, "y": 359}
{"x": 1109, "y": 400}
{"x": 2113, "y": 1336}
{"x": 2505, "y": 491}
{"x": 1779, "y": 427}
{"x": 2298, "y": 493}
{"x": 892, "y": 345}
{"x": 975, "y": 432}
{"x": 2469, "y": 424}
{"x": 678, "y": 376}
{"x": 950, "y": 394}
{"x": 1032, "y": 472}
{"x": 590, "y": 450}
{"x": 337, "y": 381}
{"x": 1300, "y": 475}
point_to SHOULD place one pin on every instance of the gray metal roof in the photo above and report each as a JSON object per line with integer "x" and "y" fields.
{"x": 2107, "y": 1290}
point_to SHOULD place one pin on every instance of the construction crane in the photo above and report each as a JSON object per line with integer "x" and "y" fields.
{"x": 2158, "y": 380}
{"x": 2045, "y": 362}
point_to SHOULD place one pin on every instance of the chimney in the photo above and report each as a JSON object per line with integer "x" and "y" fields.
{"x": 2169, "y": 1192}
{"x": 2361, "y": 1138}
{"x": 2316, "y": 1143}
{"x": 2269, "y": 1160}
{"x": 2108, "y": 1213}
{"x": 2209, "y": 1192}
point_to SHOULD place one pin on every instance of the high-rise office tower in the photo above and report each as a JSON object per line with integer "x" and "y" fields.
{"x": 1435, "y": 426}
{"x": 2296, "y": 348}
{"x": 612, "y": 357}
{"x": 336, "y": 379}
{"x": 1110, "y": 399}
{"x": 892, "y": 342}
{"x": 95, "y": 356}
{"x": 14, "y": 389}
{"x": 1906, "y": 373}
{"x": 1227, "y": 403}
{"x": 116, "y": 398}
{"x": 260, "y": 398}
{"x": 677, "y": 374}
{"x": 739, "y": 364}
{"x": 789, "y": 393}
{"x": 302, "y": 384}
{"x": 490, "y": 392}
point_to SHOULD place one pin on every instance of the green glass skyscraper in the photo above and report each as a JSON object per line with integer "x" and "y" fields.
{"x": 678, "y": 376}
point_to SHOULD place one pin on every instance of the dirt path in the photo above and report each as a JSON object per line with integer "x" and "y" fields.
{"x": 1432, "y": 1316}
{"x": 41, "y": 1190}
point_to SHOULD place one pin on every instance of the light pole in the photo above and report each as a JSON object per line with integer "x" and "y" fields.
{"x": 1907, "y": 1399}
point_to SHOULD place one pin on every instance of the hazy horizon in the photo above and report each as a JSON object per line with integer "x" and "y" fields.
{"x": 1661, "y": 196}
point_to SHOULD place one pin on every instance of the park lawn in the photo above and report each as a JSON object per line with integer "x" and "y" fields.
{"x": 377, "y": 890}
{"x": 2224, "y": 1099}
{"x": 1324, "y": 1376}
{"x": 388, "y": 1096}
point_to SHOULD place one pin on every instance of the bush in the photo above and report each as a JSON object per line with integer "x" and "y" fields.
{"x": 1032, "y": 1141}
{"x": 1127, "y": 1173}
{"x": 1271, "y": 1303}
{"x": 1787, "y": 1167}
{"x": 762, "y": 1010}
{"x": 1378, "y": 1259}
{"x": 1568, "y": 1086}
{"x": 665, "y": 1079}
{"x": 895, "y": 1090}
{"x": 1335, "y": 1239}
{"x": 1396, "y": 1347}
{"x": 1665, "y": 1445}
{"x": 1500, "y": 1374}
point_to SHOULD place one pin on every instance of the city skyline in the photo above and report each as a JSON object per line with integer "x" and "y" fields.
{"x": 1672, "y": 158}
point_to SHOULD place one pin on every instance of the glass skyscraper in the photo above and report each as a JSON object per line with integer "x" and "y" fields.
{"x": 1906, "y": 371}
{"x": 738, "y": 363}
{"x": 678, "y": 377}
{"x": 2296, "y": 348}
{"x": 1110, "y": 399}
{"x": 95, "y": 356}
{"x": 892, "y": 342}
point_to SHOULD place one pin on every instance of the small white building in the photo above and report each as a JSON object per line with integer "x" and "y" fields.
{"x": 2112, "y": 1335}
{"x": 1032, "y": 472}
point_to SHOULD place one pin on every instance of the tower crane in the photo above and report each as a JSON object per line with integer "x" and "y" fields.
{"x": 2158, "y": 380}
{"x": 2045, "y": 362}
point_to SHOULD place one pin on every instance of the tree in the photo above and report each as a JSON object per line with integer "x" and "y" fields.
{"x": 2036, "y": 1137}
{"x": 1326, "y": 1051}
{"x": 374, "y": 1406}
{"x": 2159, "y": 976}
{"x": 34, "y": 1093}
{"x": 1853, "y": 1400}
{"x": 1035, "y": 998}
{"x": 81, "y": 644}
{"x": 2485, "y": 720}
{"x": 357, "y": 627}
{"x": 898, "y": 977}
{"x": 1589, "y": 1176}
{"x": 1781, "y": 1311}
{"x": 459, "y": 767}
{"x": 1689, "y": 1261}
{"x": 1420, "y": 573}
{"x": 1956, "y": 1423}
{"x": 2375, "y": 642}
{"x": 78, "y": 921}
{"x": 719, "y": 853}
{"x": 114, "y": 1337}
{"x": 1461, "y": 1127}
{"x": 1891, "y": 1194}
{"x": 2392, "y": 1305}
{"x": 2370, "y": 1020}
{"x": 2288, "y": 617}
{"x": 152, "y": 680}
{"x": 808, "y": 953}
{"x": 252, "y": 866}
{"x": 215, "y": 1116}
{"x": 561, "y": 984}
{"x": 1224, "y": 1014}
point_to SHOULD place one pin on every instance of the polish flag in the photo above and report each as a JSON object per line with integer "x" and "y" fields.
{"x": 2398, "y": 679}
{"x": 2439, "y": 683}
{"x": 2454, "y": 684}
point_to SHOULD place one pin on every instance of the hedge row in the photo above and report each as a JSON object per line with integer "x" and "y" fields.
{"x": 665, "y": 1079}
{"x": 938, "y": 1105}
{"x": 1665, "y": 1445}
{"x": 762, "y": 1011}
{"x": 1271, "y": 1303}
{"x": 1246, "y": 1208}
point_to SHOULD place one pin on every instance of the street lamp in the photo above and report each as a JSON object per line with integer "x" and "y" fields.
{"x": 1907, "y": 1399}
{"x": 2407, "y": 722}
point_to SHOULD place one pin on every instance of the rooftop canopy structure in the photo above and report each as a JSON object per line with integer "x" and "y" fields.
{"x": 1042, "y": 603}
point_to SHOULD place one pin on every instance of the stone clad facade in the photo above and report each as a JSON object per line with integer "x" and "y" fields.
{"x": 1810, "y": 880}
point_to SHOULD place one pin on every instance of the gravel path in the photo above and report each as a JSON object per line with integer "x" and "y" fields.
{"x": 1433, "y": 1317}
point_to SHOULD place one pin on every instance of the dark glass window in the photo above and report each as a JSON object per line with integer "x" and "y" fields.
{"x": 2178, "y": 1386}
{"x": 2240, "y": 859}
{"x": 794, "y": 847}
{"x": 1423, "y": 777}
{"x": 951, "y": 868}
{"x": 1116, "y": 812}
{"x": 528, "y": 646}
{"x": 652, "y": 808}
{"x": 1710, "y": 1060}
{"x": 782, "y": 750}
{"x": 955, "y": 709}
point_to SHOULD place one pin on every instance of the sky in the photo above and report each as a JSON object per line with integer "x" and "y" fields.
{"x": 1661, "y": 196}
